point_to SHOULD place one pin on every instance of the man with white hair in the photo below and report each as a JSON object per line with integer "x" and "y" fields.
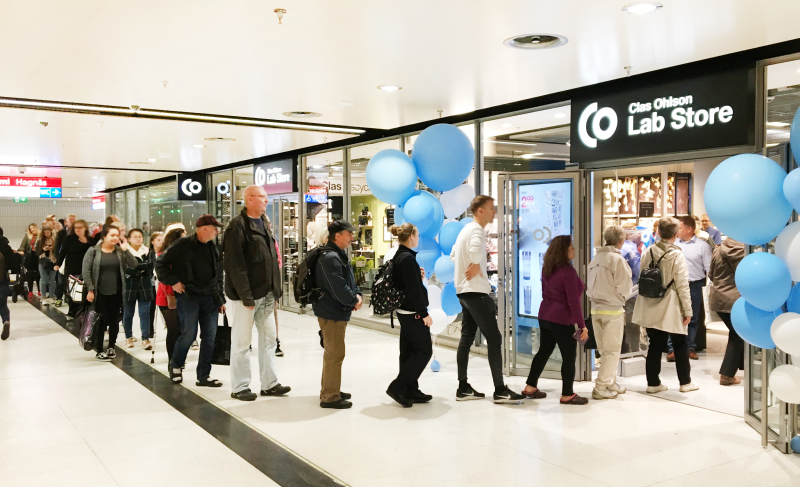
{"x": 252, "y": 284}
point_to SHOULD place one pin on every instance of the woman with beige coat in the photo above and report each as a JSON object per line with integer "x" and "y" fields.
{"x": 666, "y": 318}
{"x": 721, "y": 298}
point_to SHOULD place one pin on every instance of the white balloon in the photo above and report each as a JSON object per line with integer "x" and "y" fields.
{"x": 785, "y": 383}
{"x": 456, "y": 201}
{"x": 440, "y": 320}
{"x": 787, "y": 247}
{"x": 785, "y": 331}
{"x": 434, "y": 296}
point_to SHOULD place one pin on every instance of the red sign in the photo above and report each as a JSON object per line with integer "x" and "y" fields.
{"x": 318, "y": 190}
{"x": 98, "y": 199}
{"x": 20, "y": 182}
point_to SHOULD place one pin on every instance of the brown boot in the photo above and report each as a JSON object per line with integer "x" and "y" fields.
{"x": 671, "y": 357}
{"x": 724, "y": 380}
{"x": 693, "y": 355}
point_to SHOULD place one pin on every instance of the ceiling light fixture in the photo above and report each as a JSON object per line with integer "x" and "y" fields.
{"x": 152, "y": 160}
{"x": 778, "y": 124}
{"x": 390, "y": 88}
{"x": 536, "y": 41}
{"x": 280, "y": 12}
{"x": 641, "y": 8}
{"x": 531, "y": 156}
{"x": 507, "y": 125}
{"x": 199, "y": 146}
{"x": 301, "y": 114}
{"x": 561, "y": 115}
{"x": 75, "y": 182}
{"x": 221, "y": 139}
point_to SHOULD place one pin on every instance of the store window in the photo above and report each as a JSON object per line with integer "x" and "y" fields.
{"x": 220, "y": 196}
{"x": 163, "y": 205}
{"x": 242, "y": 177}
{"x": 323, "y": 194}
{"x": 130, "y": 209}
{"x": 143, "y": 212}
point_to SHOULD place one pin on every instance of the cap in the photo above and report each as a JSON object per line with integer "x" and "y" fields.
{"x": 341, "y": 226}
{"x": 207, "y": 220}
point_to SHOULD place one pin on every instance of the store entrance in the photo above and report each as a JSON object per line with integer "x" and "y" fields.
{"x": 282, "y": 212}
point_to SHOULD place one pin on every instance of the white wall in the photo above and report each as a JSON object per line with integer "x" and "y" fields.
{"x": 15, "y": 217}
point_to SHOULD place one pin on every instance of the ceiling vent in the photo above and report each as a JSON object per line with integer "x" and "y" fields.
{"x": 536, "y": 41}
{"x": 302, "y": 114}
{"x": 219, "y": 139}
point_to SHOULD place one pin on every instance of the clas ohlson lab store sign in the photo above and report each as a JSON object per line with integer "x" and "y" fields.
{"x": 700, "y": 113}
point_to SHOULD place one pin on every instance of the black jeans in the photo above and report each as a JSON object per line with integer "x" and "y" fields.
{"x": 5, "y": 292}
{"x": 734, "y": 352}
{"x": 415, "y": 352}
{"x": 479, "y": 312}
{"x": 553, "y": 334}
{"x": 173, "y": 328}
{"x": 658, "y": 345}
{"x": 109, "y": 307}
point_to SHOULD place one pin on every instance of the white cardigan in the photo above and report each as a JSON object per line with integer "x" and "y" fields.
{"x": 470, "y": 248}
{"x": 666, "y": 313}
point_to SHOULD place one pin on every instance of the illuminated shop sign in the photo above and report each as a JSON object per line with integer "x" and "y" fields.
{"x": 276, "y": 177}
{"x": 191, "y": 187}
{"x": 98, "y": 202}
{"x": 21, "y": 182}
{"x": 707, "y": 112}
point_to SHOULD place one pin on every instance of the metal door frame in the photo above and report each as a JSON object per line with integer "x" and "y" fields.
{"x": 506, "y": 295}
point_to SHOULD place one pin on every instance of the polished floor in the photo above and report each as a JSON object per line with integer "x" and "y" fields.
{"x": 70, "y": 420}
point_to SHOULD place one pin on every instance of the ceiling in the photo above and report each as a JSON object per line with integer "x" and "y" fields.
{"x": 231, "y": 57}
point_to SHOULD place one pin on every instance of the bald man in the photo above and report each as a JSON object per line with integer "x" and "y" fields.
{"x": 252, "y": 284}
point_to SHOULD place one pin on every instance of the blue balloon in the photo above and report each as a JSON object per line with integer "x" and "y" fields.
{"x": 427, "y": 245}
{"x": 753, "y": 324}
{"x": 448, "y": 236}
{"x": 450, "y": 303}
{"x": 795, "y": 443}
{"x": 793, "y": 303}
{"x": 418, "y": 210}
{"x": 436, "y": 366}
{"x": 444, "y": 269}
{"x": 438, "y": 215}
{"x": 791, "y": 186}
{"x": 443, "y": 156}
{"x": 744, "y": 198}
{"x": 794, "y": 135}
{"x": 427, "y": 260}
{"x": 764, "y": 281}
{"x": 399, "y": 219}
{"x": 391, "y": 176}
{"x": 466, "y": 221}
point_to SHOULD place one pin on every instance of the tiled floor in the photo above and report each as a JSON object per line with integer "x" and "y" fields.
{"x": 132, "y": 438}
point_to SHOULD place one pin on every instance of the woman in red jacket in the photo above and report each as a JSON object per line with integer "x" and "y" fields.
{"x": 560, "y": 310}
{"x": 165, "y": 298}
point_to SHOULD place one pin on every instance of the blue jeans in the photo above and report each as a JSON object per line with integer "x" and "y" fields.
{"x": 696, "y": 295}
{"x": 193, "y": 311}
{"x": 47, "y": 281}
{"x": 128, "y": 309}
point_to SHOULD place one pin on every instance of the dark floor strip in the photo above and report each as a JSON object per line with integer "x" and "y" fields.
{"x": 276, "y": 462}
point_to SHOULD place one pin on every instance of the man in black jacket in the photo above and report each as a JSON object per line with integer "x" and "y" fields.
{"x": 193, "y": 267}
{"x": 253, "y": 284}
{"x": 340, "y": 298}
{"x": 61, "y": 282}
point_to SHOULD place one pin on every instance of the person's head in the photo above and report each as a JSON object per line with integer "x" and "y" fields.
{"x": 156, "y": 241}
{"x": 93, "y": 228}
{"x": 705, "y": 222}
{"x": 668, "y": 228}
{"x": 136, "y": 238}
{"x": 119, "y": 226}
{"x": 559, "y": 252}
{"x": 407, "y": 234}
{"x": 321, "y": 236}
{"x": 636, "y": 238}
{"x": 255, "y": 199}
{"x": 686, "y": 228}
{"x": 172, "y": 226}
{"x": 207, "y": 228}
{"x": 50, "y": 218}
{"x": 47, "y": 231}
{"x": 614, "y": 236}
{"x": 70, "y": 220}
{"x": 172, "y": 236}
{"x": 483, "y": 210}
{"x": 340, "y": 233}
{"x": 110, "y": 236}
{"x": 33, "y": 229}
{"x": 79, "y": 228}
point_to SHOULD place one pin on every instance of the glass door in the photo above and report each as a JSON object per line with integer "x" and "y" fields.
{"x": 534, "y": 208}
{"x": 282, "y": 212}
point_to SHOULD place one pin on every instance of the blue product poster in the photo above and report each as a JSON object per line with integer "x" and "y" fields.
{"x": 545, "y": 211}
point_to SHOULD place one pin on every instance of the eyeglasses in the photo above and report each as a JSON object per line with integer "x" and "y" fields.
{"x": 705, "y": 221}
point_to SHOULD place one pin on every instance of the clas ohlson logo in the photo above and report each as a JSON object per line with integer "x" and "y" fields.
{"x": 645, "y": 118}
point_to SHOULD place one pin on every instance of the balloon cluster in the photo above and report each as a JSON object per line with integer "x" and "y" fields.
{"x": 442, "y": 159}
{"x": 750, "y": 198}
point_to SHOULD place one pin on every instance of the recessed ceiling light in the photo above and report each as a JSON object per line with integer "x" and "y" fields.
{"x": 536, "y": 41}
{"x": 94, "y": 177}
{"x": 390, "y": 88}
{"x": 317, "y": 167}
{"x": 531, "y": 156}
{"x": 777, "y": 124}
{"x": 219, "y": 139}
{"x": 561, "y": 115}
{"x": 507, "y": 125}
{"x": 152, "y": 160}
{"x": 199, "y": 146}
{"x": 641, "y": 8}
{"x": 75, "y": 182}
{"x": 301, "y": 114}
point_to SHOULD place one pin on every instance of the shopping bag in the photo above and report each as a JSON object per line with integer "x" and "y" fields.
{"x": 75, "y": 288}
{"x": 89, "y": 320}
{"x": 222, "y": 344}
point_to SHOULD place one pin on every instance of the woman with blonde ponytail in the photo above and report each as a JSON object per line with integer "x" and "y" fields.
{"x": 415, "y": 336}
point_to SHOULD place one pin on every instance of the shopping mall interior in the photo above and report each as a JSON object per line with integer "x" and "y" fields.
{"x": 158, "y": 113}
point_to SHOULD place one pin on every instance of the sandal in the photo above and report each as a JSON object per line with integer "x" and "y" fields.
{"x": 537, "y": 394}
{"x": 177, "y": 378}
{"x": 209, "y": 383}
{"x": 575, "y": 399}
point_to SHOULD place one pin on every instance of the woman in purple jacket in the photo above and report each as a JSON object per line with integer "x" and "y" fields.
{"x": 562, "y": 290}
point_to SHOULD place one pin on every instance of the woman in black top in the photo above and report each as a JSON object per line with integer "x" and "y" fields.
{"x": 415, "y": 323}
{"x": 76, "y": 243}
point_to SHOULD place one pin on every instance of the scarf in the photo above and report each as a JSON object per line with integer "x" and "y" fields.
{"x": 140, "y": 254}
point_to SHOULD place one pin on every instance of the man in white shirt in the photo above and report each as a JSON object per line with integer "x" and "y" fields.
{"x": 473, "y": 288}
{"x": 698, "y": 260}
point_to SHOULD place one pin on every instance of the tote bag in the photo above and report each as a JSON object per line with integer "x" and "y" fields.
{"x": 222, "y": 344}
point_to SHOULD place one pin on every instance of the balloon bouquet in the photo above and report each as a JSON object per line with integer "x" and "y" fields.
{"x": 442, "y": 159}
{"x": 750, "y": 198}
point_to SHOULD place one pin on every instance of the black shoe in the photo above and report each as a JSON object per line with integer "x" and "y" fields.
{"x": 244, "y": 395}
{"x": 399, "y": 398}
{"x": 6, "y": 331}
{"x": 111, "y": 353}
{"x": 278, "y": 351}
{"x": 208, "y": 383}
{"x": 340, "y": 404}
{"x": 507, "y": 396}
{"x": 345, "y": 395}
{"x": 102, "y": 357}
{"x": 467, "y": 393}
{"x": 176, "y": 377}
{"x": 419, "y": 397}
{"x": 278, "y": 390}
{"x": 321, "y": 343}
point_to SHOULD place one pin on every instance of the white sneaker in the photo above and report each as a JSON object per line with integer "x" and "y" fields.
{"x": 195, "y": 345}
{"x": 600, "y": 394}
{"x": 617, "y": 388}
{"x": 689, "y": 387}
{"x": 654, "y": 389}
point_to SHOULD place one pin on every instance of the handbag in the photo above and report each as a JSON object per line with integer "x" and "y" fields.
{"x": 172, "y": 301}
{"x": 222, "y": 344}
{"x": 75, "y": 289}
{"x": 89, "y": 320}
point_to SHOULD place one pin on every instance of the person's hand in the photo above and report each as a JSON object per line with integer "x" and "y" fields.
{"x": 687, "y": 320}
{"x": 422, "y": 272}
{"x": 251, "y": 308}
{"x": 90, "y": 296}
{"x": 55, "y": 267}
{"x": 123, "y": 244}
{"x": 360, "y": 302}
{"x": 584, "y": 334}
{"x": 472, "y": 271}
{"x": 179, "y": 288}
{"x": 428, "y": 321}
{"x": 222, "y": 309}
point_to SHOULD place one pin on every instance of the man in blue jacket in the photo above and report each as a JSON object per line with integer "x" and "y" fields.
{"x": 340, "y": 298}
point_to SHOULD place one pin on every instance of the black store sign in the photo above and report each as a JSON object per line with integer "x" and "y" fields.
{"x": 706, "y": 112}
{"x": 192, "y": 187}
{"x": 276, "y": 177}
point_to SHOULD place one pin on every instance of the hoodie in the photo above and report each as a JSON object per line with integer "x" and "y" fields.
{"x": 609, "y": 281}
{"x": 723, "y": 276}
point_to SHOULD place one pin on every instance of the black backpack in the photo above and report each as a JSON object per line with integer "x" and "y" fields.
{"x": 385, "y": 296}
{"x": 651, "y": 281}
{"x": 306, "y": 290}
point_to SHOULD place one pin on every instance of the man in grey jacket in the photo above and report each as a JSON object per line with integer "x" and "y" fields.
{"x": 340, "y": 298}
{"x": 252, "y": 284}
